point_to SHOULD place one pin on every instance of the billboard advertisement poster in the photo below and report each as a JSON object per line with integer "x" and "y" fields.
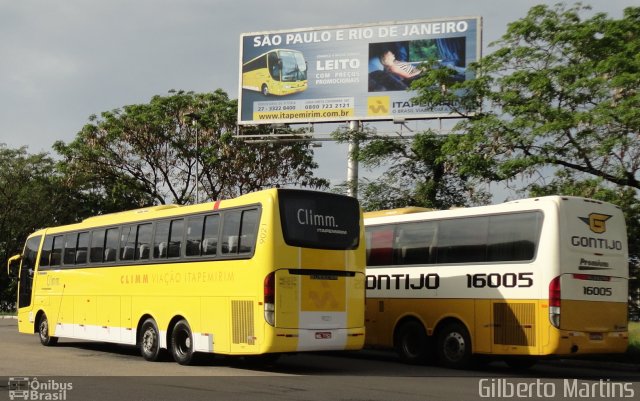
{"x": 343, "y": 73}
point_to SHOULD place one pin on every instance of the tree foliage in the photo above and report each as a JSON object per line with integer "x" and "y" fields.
{"x": 36, "y": 192}
{"x": 417, "y": 173}
{"x": 156, "y": 150}
{"x": 560, "y": 90}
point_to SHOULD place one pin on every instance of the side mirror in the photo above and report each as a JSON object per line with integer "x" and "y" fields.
{"x": 13, "y": 264}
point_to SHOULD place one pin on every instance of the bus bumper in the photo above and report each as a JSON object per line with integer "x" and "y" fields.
{"x": 582, "y": 343}
{"x": 304, "y": 340}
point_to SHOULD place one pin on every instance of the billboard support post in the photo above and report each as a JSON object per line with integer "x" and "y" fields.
{"x": 352, "y": 161}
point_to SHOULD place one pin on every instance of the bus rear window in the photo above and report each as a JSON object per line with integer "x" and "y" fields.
{"x": 319, "y": 220}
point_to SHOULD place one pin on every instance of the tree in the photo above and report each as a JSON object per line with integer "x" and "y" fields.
{"x": 560, "y": 90}
{"x": 35, "y": 193}
{"x": 151, "y": 150}
{"x": 417, "y": 173}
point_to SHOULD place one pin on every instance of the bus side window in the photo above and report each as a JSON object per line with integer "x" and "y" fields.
{"x": 96, "y": 254}
{"x": 463, "y": 240}
{"x": 210, "y": 236}
{"x": 513, "y": 237}
{"x": 56, "y": 251}
{"x": 45, "y": 255}
{"x": 81, "y": 250}
{"x": 111, "y": 245}
{"x": 144, "y": 240}
{"x": 127, "y": 242}
{"x": 381, "y": 246}
{"x": 414, "y": 243}
{"x": 195, "y": 226}
{"x": 175, "y": 238}
{"x": 230, "y": 231}
{"x": 70, "y": 243}
{"x": 160, "y": 239}
{"x": 248, "y": 229}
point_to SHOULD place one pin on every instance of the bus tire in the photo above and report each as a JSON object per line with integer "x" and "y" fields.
{"x": 453, "y": 346}
{"x": 182, "y": 343}
{"x": 264, "y": 90}
{"x": 150, "y": 340}
{"x": 43, "y": 332}
{"x": 411, "y": 343}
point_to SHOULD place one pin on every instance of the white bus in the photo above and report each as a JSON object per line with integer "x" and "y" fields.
{"x": 521, "y": 280}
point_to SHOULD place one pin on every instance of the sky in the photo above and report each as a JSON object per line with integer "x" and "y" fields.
{"x": 63, "y": 61}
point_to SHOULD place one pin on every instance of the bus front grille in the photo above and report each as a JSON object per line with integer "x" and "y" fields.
{"x": 242, "y": 318}
{"x": 514, "y": 324}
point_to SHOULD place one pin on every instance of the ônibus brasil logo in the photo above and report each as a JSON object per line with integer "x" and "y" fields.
{"x": 24, "y": 388}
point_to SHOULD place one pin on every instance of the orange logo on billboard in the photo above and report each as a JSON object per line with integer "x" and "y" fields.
{"x": 596, "y": 222}
{"x": 378, "y": 105}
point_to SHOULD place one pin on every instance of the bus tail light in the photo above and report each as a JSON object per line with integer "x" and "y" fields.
{"x": 554, "y": 302}
{"x": 270, "y": 298}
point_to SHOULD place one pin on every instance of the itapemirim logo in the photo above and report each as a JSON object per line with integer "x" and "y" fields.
{"x": 378, "y": 105}
{"x": 24, "y": 388}
{"x": 596, "y": 222}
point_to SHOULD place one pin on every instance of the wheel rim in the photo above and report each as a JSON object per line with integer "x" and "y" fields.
{"x": 454, "y": 346}
{"x": 149, "y": 341}
{"x": 44, "y": 329}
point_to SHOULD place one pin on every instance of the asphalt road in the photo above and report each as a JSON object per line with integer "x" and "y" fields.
{"x": 79, "y": 370}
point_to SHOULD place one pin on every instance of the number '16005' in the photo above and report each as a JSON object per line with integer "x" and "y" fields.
{"x": 496, "y": 280}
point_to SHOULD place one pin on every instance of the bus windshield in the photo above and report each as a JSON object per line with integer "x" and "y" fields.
{"x": 294, "y": 68}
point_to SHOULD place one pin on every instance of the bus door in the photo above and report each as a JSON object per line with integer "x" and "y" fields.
{"x": 26, "y": 275}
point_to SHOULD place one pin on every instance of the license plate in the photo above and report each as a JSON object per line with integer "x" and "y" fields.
{"x": 323, "y": 335}
{"x": 596, "y": 336}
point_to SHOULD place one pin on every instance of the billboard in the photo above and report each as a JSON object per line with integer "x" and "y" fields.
{"x": 343, "y": 73}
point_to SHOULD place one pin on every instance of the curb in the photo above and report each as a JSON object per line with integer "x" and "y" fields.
{"x": 8, "y": 317}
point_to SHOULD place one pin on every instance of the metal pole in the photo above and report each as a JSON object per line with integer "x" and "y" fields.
{"x": 195, "y": 124}
{"x": 352, "y": 161}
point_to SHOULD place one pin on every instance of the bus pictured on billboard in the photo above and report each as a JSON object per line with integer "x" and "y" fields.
{"x": 276, "y": 72}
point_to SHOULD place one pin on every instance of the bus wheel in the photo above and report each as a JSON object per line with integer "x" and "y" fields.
{"x": 182, "y": 343}
{"x": 265, "y": 90}
{"x": 43, "y": 332}
{"x": 454, "y": 346}
{"x": 150, "y": 340}
{"x": 411, "y": 343}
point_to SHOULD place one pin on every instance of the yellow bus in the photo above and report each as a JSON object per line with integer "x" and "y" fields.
{"x": 521, "y": 280}
{"x": 271, "y": 272}
{"x": 276, "y": 72}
